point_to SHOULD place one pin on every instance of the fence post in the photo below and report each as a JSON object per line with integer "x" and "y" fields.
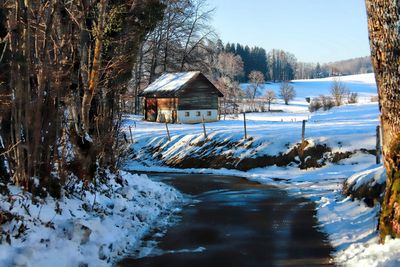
{"x": 166, "y": 126}
{"x": 244, "y": 124}
{"x": 130, "y": 131}
{"x": 378, "y": 145}
{"x": 303, "y": 131}
{"x": 204, "y": 127}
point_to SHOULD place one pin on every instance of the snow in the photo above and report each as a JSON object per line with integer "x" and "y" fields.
{"x": 85, "y": 229}
{"x": 97, "y": 229}
{"x": 363, "y": 84}
{"x": 351, "y": 225}
{"x": 170, "y": 82}
{"x": 371, "y": 176}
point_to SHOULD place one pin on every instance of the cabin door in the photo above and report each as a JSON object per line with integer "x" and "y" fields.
{"x": 151, "y": 109}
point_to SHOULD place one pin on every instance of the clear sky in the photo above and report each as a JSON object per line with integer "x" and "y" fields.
{"x": 314, "y": 30}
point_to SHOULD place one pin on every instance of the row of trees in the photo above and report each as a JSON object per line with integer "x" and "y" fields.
{"x": 280, "y": 65}
{"x": 63, "y": 67}
{"x": 345, "y": 67}
{"x": 276, "y": 65}
{"x": 254, "y": 58}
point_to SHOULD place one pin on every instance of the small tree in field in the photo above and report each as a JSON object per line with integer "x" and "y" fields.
{"x": 256, "y": 79}
{"x": 338, "y": 91}
{"x": 287, "y": 92}
{"x": 270, "y": 97}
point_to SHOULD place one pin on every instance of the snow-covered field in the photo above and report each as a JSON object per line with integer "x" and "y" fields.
{"x": 350, "y": 225}
{"x": 363, "y": 84}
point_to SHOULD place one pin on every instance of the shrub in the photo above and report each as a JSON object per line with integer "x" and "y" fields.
{"x": 315, "y": 104}
{"x": 353, "y": 98}
{"x": 327, "y": 102}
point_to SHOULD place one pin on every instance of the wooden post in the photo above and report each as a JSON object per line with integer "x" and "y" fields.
{"x": 130, "y": 131}
{"x": 303, "y": 131}
{"x": 166, "y": 126}
{"x": 378, "y": 145}
{"x": 245, "y": 127}
{"x": 204, "y": 127}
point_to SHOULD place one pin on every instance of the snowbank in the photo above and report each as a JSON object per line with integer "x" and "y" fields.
{"x": 371, "y": 254}
{"x": 83, "y": 228}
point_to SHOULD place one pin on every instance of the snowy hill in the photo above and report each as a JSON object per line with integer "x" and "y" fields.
{"x": 363, "y": 84}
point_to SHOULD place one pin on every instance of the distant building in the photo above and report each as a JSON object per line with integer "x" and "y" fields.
{"x": 184, "y": 97}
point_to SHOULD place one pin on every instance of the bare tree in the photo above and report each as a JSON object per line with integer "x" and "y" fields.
{"x": 338, "y": 91}
{"x": 270, "y": 97}
{"x": 229, "y": 66}
{"x": 327, "y": 102}
{"x": 287, "y": 92}
{"x": 352, "y": 97}
{"x": 256, "y": 79}
{"x": 383, "y": 26}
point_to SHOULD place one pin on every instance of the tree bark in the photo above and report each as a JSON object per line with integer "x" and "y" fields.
{"x": 95, "y": 71}
{"x": 383, "y": 26}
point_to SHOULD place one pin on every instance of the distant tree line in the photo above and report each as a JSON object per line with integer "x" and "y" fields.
{"x": 339, "y": 68}
{"x": 279, "y": 65}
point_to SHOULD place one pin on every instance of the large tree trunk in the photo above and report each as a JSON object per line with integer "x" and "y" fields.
{"x": 384, "y": 27}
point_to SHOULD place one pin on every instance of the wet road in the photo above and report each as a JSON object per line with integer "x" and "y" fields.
{"x": 237, "y": 223}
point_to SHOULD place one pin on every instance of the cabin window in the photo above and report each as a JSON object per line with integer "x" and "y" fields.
{"x": 198, "y": 113}
{"x": 187, "y": 114}
{"x": 209, "y": 113}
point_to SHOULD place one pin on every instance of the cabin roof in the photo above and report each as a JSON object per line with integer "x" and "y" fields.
{"x": 169, "y": 84}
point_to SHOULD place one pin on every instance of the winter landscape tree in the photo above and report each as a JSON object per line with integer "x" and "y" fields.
{"x": 270, "y": 97}
{"x": 286, "y": 92}
{"x": 229, "y": 67}
{"x": 338, "y": 91}
{"x": 256, "y": 79}
{"x": 254, "y": 58}
{"x": 383, "y": 26}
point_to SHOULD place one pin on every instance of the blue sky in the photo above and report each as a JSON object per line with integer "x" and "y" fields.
{"x": 313, "y": 30}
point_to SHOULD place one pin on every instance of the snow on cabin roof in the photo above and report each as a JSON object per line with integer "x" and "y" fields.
{"x": 170, "y": 82}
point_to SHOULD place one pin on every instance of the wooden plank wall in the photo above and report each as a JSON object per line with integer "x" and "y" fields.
{"x": 199, "y": 94}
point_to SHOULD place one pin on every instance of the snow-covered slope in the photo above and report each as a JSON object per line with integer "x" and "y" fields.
{"x": 363, "y": 84}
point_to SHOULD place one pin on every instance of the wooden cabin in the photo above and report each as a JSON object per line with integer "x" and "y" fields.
{"x": 185, "y": 97}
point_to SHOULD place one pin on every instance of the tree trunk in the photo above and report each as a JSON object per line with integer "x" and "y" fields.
{"x": 95, "y": 71}
{"x": 383, "y": 25}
